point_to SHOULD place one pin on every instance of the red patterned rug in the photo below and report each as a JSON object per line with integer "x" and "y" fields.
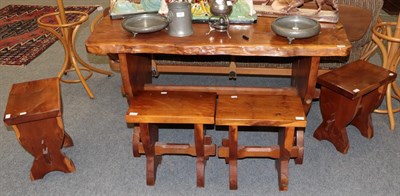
{"x": 21, "y": 40}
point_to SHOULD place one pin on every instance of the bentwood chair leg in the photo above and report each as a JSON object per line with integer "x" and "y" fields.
{"x": 66, "y": 63}
{"x": 78, "y": 58}
{"x": 81, "y": 78}
{"x": 389, "y": 106}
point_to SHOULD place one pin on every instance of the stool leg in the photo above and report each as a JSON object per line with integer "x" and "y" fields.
{"x": 43, "y": 140}
{"x": 233, "y": 144}
{"x": 136, "y": 141}
{"x": 300, "y": 145}
{"x": 50, "y": 160}
{"x": 200, "y": 159}
{"x": 149, "y": 135}
{"x": 285, "y": 138}
{"x": 369, "y": 103}
{"x": 337, "y": 112}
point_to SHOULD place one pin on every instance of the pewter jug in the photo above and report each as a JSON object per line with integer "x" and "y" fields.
{"x": 180, "y": 17}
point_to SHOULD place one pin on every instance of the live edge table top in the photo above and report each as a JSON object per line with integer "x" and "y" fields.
{"x": 110, "y": 37}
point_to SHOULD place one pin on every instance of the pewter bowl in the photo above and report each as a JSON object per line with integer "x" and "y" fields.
{"x": 145, "y": 23}
{"x": 295, "y": 26}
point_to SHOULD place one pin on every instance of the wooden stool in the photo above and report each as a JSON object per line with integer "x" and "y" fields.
{"x": 149, "y": 108}
{"x": 34, "y": 110}
{"x": 262, "y": 110}
{"x": 349, "y": 95}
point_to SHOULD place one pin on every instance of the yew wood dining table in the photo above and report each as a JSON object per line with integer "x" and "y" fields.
{"x": 136, "y": 57}
{"x": 135, "y": 53}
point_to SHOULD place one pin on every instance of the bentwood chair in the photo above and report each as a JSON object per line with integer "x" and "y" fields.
{"x": 67, "y": 37}
{"x": 387, "y": 37}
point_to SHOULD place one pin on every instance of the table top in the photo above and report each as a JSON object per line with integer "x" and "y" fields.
{"x": 110, "y": 37}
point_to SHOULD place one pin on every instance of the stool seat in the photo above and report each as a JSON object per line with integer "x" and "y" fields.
{"x": 356, "y": 79}
{"x": 286, "y": 112}
{"x": 33, "y": 100}
{"x": 256, "y": 110}
{"x": 172, "y": 107}
{"x": 149, "y": 108}
{"x": 34, "y": 110}
{"x": 349, "y": 95}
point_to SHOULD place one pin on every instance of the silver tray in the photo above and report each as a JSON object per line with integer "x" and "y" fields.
{"x": 145, "y": 23}
{"x": 295, "y": 26}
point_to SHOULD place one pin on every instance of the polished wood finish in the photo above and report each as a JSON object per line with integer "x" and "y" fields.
{"x": 34, "y": 110}
{"x": 172, "y": 107}
{"x": 286, "y": 112}
{"x": 258, "y": 110}
{"x": 149, "y": 108}
{"x": 135, "y": 52}
{"x": 110, "y": 37}
{"x": 348, "y": 96}
{"x": 356, "y": 28}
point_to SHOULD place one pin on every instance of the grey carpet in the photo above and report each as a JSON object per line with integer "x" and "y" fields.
{"x": 103, "y": 157}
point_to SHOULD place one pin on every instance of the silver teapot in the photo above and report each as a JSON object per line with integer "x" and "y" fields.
{"x": 221, "y": 7}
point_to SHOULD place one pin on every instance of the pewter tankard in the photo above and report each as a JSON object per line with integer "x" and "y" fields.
{"x": 180, "y": 17}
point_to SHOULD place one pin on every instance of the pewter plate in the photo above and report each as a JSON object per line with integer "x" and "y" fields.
{"x": 295, "y": 26}
{"x": 145, "y": 23}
